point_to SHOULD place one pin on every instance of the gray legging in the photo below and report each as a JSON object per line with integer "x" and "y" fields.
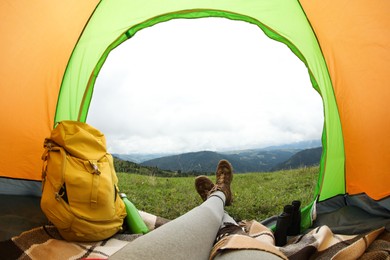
{"x": 191, "y": 236}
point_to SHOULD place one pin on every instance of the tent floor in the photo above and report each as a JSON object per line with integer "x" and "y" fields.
{"x": 350, "y": 220}
{"x": 351, "y": 215}
{"x": 19, "y": 214}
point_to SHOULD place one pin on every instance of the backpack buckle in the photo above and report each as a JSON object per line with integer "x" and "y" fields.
{"x": 95, "y": 168}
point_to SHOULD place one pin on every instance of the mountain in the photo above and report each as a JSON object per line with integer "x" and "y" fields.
{"x": 250, "y": 160}
{"x": 187, "y": 162}
{"x": 139, "y": 157}
{"x": 302, "y": 145}
{"x": 131, "y": 167}
{"x": 206, "y": 161}
{"x": 297, "y": 146}
{"x": 308, "y": 157}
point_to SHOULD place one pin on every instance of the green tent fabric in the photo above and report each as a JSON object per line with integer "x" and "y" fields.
{"x": 298, "y": 36}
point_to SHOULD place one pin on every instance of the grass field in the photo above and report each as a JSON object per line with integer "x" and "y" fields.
{"x": 256, "y": 195}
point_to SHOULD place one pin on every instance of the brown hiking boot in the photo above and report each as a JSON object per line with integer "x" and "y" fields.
{"x": 228, "y": 230}
{"x": 224, "y": 176}
{"x": 203, "y": 185}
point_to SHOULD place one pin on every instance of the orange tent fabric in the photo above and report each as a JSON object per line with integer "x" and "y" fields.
{"x": 355, "y": 40}
{"x": 38, "y": 38}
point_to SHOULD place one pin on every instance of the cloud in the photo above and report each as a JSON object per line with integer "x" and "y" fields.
{"x": 204, "y": 84}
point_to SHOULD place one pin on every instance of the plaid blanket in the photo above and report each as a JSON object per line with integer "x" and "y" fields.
{"x": 319, "y": 243}
{"x": 46, "y": 243}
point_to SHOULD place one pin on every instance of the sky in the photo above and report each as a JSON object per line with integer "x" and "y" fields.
{"x": 203, "y": 84}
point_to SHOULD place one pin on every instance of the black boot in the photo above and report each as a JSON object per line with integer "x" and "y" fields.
{"x": 283, "y": 222}
{"x": 295, "y": 228}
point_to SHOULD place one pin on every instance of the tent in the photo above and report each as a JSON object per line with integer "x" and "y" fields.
{"x": 52, "y": 52}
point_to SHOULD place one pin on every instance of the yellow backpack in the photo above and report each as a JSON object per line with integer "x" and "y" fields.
{"x": 80, "y": 188}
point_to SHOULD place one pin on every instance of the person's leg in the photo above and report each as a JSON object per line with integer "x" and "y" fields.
{"x": 191, "y": 236}
{"x": 228, "y": 219}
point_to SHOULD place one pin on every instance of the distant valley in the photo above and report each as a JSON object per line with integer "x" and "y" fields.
{"x": 267, "y": 159}
{"x": 206, "y": 161}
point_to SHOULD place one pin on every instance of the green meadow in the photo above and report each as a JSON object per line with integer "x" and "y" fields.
{"x": 256, "y": 195}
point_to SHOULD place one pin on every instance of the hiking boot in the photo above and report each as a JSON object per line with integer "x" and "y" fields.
{"x": 224, "y": 176}
{"x": 203, "y": 186}
{"x": 228, "y": 230}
